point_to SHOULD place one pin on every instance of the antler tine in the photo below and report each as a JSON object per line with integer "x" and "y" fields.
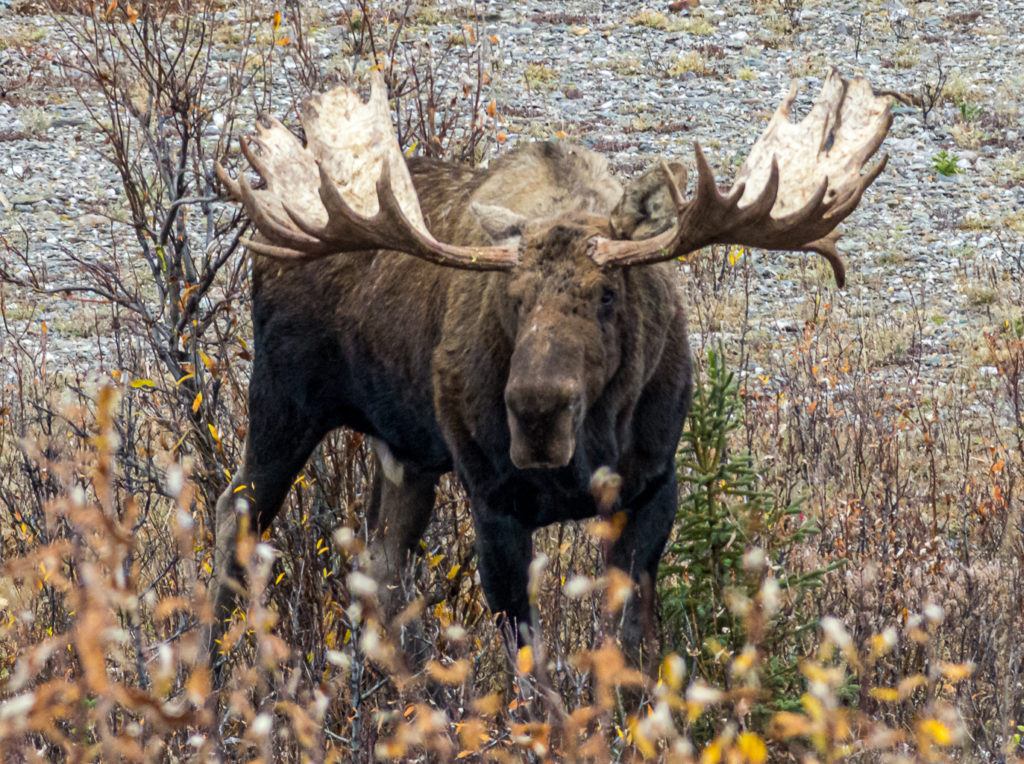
{"x": 826, "y": 247}
{"x": 280, "y": 253}
{"x": 799, "y": 182}
{"x": 425, "y": 246}
{"x": 344, "y": 225}
{"x": 252, "y": 158}
{"x": 843, "y": 206}
{"x": 765, "y": 201}
{"x": 673, "y": 187}
{"x": 227, "y": 180}
{"x": 706, "y": 192}
{"x": 263, "y": 217}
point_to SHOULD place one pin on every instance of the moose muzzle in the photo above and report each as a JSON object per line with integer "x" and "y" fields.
{"x": 544, "y": 401}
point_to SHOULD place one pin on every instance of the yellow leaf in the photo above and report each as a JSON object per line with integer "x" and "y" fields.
{"x": 435, "y": 560}
{"x": 712, "y": 754}
{"x": 454, "y": 571}
{"x": 210, "y": 364}
{"x": 501, "y": 137}
{"x": 283, "y": 41}
{"x": 753, "y": 748}
{"x": 885, "y": 694}
{"x": 955, "y": 672}
{"x": 647, "y": 749}
{"x": 488, "y": 705}
{"x": 137, "y": 383}
{"x": 673, "y": 671}
{"x": 277, "y": 20}
{"x": 620, "y": 589}
{"x": 456, "y": 673}
{"x": 937, "y": 731}
{"x": 787, "y": 724}
{"x": 744, "y": 662}
{"x": 533, "y": 736}
{"x": 911, "y": 683}
{"x": 882, "y": 643}
{"x": 197, "y": 402}
{"x": 492, "y": 109}
{"x": 812, "y": 706}
{"x": 391, "y": 749}
{"x": 472, "y": 735}
{"x": 214, "y": 433}
{"x": 524, "y": 659}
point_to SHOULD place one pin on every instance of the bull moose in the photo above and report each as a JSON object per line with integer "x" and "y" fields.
{"x": 520, "y": 324}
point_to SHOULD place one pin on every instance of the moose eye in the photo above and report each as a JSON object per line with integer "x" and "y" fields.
{"x": 604, "y": 310}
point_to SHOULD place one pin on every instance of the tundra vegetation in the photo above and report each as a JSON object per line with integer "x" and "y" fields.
{"x": 845, "y": 583}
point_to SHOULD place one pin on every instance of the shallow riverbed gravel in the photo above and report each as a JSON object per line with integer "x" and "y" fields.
{"x": 941, "y": 253}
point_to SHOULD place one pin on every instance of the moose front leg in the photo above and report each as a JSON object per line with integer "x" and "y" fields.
{"x": 276, "y": 447}
{"x": 638, "y": 551}
{"x": 504, "y": 551}
{"x": 401, "y": 502}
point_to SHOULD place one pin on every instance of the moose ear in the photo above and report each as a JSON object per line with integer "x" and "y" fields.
{"x": 646, "y": 208}
{"x": 504, "y": 226}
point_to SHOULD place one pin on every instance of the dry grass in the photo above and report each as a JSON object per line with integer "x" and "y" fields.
{"x": 104, "y": 596}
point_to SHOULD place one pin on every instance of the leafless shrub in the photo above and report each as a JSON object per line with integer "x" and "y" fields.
{"x": 930, "y": 93}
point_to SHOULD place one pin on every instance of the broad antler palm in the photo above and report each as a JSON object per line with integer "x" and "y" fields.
{"x": 799, "y": 182}
{"x": 347, "y": 190}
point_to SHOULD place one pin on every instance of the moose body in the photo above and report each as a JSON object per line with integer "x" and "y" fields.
{"x": 545, "y": 339}
{"x": 420, "y": 358}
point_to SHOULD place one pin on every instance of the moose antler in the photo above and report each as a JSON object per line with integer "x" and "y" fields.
{"x": 347, "y": 190}
{"x": 799, "y": 182}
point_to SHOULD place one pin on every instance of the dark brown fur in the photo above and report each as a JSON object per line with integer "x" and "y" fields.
{"x": 560, "y": 366}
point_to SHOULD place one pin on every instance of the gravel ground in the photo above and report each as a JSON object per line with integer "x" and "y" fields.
{"x": 940, "y": 252}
